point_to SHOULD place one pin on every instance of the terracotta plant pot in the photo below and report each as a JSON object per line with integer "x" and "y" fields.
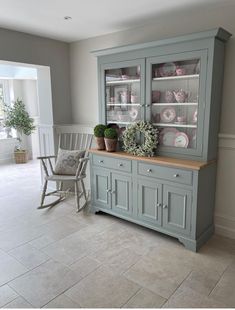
{"x": 111, "y": 144}
{"x": 100, "y": 143}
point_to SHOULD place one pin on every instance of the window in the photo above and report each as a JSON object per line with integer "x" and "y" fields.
{"x": 4, "y": 98}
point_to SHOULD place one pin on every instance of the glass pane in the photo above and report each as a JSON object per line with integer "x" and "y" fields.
{"x": 122, "y": 100}
{"x": 1, "y": 102}
{"x": 175, "y": 95}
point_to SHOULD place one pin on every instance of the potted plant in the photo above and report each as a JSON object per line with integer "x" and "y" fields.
{"x": 99, "y": 135}
{"x": 18, "y": 118}
{"x": 110, "y": 139}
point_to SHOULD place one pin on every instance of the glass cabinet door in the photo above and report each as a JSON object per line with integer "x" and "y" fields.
{"x": 175, "y": 101}
{"x": 124, "y": 93}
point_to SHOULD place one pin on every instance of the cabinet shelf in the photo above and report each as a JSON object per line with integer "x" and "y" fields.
{"x": 116, "y": 82}
{"x": 174, "y": 125}
{"x": 122, "y": 104}
{"x": 176, "y": 104}
{"x": 119, "y": 122}
{"x": 177, "y": 77}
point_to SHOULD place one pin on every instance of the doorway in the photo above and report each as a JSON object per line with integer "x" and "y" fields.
{"x": 31, "y": 84}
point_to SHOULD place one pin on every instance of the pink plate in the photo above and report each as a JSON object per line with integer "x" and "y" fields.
{"x": 181, "y": 140}
{"x": 168, "y": 115}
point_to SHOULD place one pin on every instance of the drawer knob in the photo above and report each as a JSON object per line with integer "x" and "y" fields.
{"x": 120, "y": 165}
{"x": 101, "y": 161}
{"x": 147, "y": 105}
{"x": 164, "y": 206}
{"x": 149, "y": 170}
{"x": 176, "y": 175}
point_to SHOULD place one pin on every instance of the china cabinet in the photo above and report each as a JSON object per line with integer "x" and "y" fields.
{"x": 176, "y": 85}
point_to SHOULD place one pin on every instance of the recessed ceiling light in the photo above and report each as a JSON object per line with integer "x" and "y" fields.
{"x": 67, "y": 17}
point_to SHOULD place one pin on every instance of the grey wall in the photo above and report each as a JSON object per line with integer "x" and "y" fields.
{"x": 20, "y": 47}
{"x": 85, "y": 95}
{"x": 84, "y": 70}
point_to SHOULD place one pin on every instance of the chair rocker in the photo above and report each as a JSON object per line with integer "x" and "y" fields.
{"x": 76, "y": 141}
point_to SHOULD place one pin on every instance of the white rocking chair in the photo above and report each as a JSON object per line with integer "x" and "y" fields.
{"x": 71, "y": 141}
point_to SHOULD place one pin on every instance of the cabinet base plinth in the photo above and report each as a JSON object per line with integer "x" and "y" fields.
{"x": 195, "y": 245}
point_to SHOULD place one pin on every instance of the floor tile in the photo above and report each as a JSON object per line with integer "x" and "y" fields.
{"x": 103, "y": 288}
{"x": 62, "y": 227}
{"x": 42, "y": 242}
{"x": 202, "y": 282}
{"x": 44, "y": 283}
{"x": 118, "y": 258}
{"x": 187, "y": 298}
{"x": 224, "y": 291}
{"x": 29, "y": 256}
{"x": 10, "y": 268}
{"x": 71, "y": 249}
{"x": 7, "y": 294}
{"x": 145, "y": 299}
{"x": 84, "y": 266}
{"x": 62, "y": 301}
{"x": 161, "y": 275}
{"x": 19, "y": 302}
{"x": 16, "y": 237}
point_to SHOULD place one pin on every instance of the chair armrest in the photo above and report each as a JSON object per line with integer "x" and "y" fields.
{"x": 46, "y": 157}
{"x": 81, "y": 160}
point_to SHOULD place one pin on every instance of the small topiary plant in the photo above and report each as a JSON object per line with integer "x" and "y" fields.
{"x": 18, "y": 118}
{"x": 99, "y": 130}
{"x": 110, "y": 133}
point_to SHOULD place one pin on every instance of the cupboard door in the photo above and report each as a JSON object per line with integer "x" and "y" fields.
{"x": 177, "y": 205}
{"x": 150, "y": 202}
{"x": 123, "y": 92}
{"x": 102, "y": 188}
{"x": 176, "y": 94}
{"x": 121, "y": 193}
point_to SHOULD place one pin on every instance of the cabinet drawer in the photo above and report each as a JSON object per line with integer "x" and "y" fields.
{"x": 170, "y": 174}
{"x": 113, "y": 163}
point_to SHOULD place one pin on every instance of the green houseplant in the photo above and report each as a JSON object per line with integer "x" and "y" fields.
{"x": 110, "y": 139}
{"x": 99, "y": 135}
{"x": 18, "y": 118}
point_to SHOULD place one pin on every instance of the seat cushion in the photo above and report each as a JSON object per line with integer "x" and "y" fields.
{"x": 67, "y": 161}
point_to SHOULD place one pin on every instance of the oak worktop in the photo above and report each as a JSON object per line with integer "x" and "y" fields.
{"x": 159, "y": 160}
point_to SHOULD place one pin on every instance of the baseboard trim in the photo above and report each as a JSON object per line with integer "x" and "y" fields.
{"x": 227, "y": 141}
{"x": 225, "y": 226}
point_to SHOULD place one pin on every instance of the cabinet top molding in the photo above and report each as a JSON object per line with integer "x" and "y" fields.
{"x": 158, "y": 160}
{"x": 219, "y": 33}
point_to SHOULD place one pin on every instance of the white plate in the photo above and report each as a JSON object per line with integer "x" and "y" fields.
{"x": 167, "y": 136}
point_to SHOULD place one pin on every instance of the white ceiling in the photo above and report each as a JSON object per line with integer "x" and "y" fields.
{"x": 89, "y": 17}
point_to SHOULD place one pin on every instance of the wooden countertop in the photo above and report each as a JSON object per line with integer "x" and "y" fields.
{"x": 159, "y": 160}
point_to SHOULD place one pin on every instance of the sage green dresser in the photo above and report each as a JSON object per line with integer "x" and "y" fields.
{"x": 173, "y": 196}
{"x": 175, "y": 84}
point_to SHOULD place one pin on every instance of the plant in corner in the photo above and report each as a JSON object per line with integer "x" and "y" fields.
{"x": 18, "y": 118}
{"x": 110, "y": 139}
{"x": 99, "y": 134}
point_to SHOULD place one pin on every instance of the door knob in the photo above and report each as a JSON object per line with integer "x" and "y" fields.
{"x": 158, "y": 205}
{"x": 120, "y": 165}
{"x": 113, "y": 192}
{"x": 149, "y": 170}
{"x": 108, "y": 190}
{"x": 176, "y": 175}
{"x": 101, "y": 161}
{"x": 164, "y": 206}
{"x": 147, "y": 105}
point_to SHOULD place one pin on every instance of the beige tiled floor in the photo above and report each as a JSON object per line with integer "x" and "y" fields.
{"x": 58, "y": 258}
